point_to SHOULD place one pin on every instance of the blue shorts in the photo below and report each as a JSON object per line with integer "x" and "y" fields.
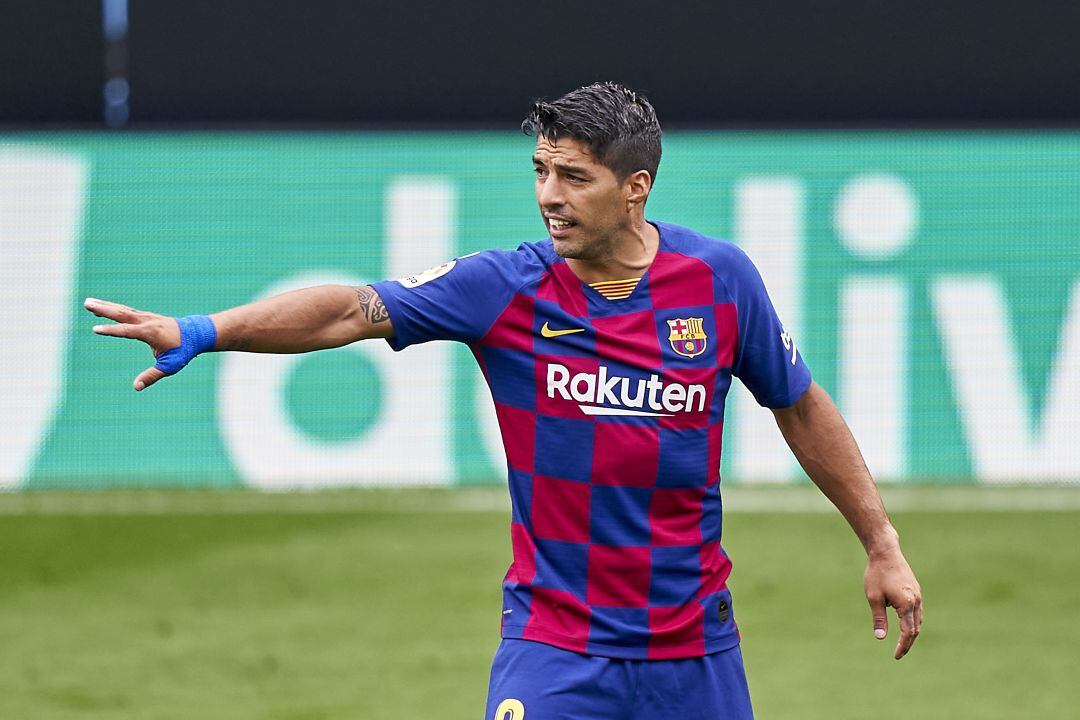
{"x": 540, "y": 682}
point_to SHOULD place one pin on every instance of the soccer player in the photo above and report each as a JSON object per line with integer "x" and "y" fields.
{"x": 609, "y": 348}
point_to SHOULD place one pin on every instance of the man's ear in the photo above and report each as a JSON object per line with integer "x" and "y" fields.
{"x": 637, "y": 185}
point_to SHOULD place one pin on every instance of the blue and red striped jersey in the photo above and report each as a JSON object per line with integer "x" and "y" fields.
{"x": 611, "y": 414}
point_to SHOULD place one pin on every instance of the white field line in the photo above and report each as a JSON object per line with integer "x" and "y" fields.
{"x": 250, "y": 501}
{"x": 737, "y": 498}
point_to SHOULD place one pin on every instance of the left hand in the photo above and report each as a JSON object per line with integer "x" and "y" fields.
{"x": 889, "y": 582}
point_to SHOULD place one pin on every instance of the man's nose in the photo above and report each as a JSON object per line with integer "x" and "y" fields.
{"x": 549, "y": 192}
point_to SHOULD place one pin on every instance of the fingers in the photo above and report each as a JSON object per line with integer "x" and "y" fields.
{"x": 113, "y": 311}
{"x": 135, "y": 332}
{"x": 880, "y": 618}
{"x": 158, "y": 331}
{"x": 128, "y": 320}
{"x": 146, "y": 378}
{"x": 908, "y": 631}
{"x": 889, "y": 582}
{"x": 910, "y": 624}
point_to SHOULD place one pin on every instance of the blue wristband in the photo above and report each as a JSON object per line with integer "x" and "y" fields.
{"x": 197, "y": 335}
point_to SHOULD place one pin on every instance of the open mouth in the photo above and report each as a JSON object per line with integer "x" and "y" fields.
{"x": 558, "y": 225}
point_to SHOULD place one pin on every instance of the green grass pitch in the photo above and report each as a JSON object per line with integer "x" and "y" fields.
{"x": 386, "y": 605}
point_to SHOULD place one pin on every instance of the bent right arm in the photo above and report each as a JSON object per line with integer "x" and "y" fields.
{"x": 315, "y": 318}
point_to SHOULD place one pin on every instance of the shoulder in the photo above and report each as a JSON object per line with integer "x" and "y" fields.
{"x": 492, "y": 268}
{"x": 729, "y": 263}
{"x": 526, "y": 262}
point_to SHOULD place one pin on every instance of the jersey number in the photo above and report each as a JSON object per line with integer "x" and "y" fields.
{"x": 510, "y": 710}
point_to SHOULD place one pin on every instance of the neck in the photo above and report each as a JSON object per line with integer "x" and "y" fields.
{"x": 630, "y": 256}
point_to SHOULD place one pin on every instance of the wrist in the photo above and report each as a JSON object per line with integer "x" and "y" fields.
{"x": 198, "y": 332}
{"x": 197, "y": 335}
{"x": 882, "y": 543}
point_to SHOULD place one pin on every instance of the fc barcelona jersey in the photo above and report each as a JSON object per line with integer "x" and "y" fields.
{"x": 611, "y": 414}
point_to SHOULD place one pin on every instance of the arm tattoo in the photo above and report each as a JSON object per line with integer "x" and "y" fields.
{"x": 372, "y": 305}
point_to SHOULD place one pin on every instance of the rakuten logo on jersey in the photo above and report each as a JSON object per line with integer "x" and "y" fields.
{"x": 603, "y": 394}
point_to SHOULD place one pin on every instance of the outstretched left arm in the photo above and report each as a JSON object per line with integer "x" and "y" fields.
{"x": 825, "y": 448}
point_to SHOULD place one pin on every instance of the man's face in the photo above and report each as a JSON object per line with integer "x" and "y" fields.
{"x": 583, "y": 204}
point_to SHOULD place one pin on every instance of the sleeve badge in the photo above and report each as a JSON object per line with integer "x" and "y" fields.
{"x": 428, "y": 275}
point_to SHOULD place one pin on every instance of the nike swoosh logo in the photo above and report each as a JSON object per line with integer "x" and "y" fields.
{"x": 549, "y": 333}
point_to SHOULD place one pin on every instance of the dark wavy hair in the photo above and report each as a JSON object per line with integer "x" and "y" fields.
{"x": 618, "y": 125}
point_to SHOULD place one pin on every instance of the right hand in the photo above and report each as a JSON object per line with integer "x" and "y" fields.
{"x": 160, "y": 332}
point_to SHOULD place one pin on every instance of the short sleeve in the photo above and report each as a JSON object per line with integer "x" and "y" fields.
{"x": 458, "y": 300}
{"x": 767, "y": 361}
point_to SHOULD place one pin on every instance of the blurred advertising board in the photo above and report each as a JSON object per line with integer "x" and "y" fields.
{"x": 931, "y": 280}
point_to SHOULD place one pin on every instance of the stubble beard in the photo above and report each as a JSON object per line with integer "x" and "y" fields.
{"x": 570, "y": 250}
{"x": 591, "y": 249}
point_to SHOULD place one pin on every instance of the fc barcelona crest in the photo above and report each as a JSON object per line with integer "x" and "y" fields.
{"x": 687, "y": 336}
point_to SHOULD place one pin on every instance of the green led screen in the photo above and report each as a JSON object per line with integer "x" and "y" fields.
{"x": 930, "y": 279}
